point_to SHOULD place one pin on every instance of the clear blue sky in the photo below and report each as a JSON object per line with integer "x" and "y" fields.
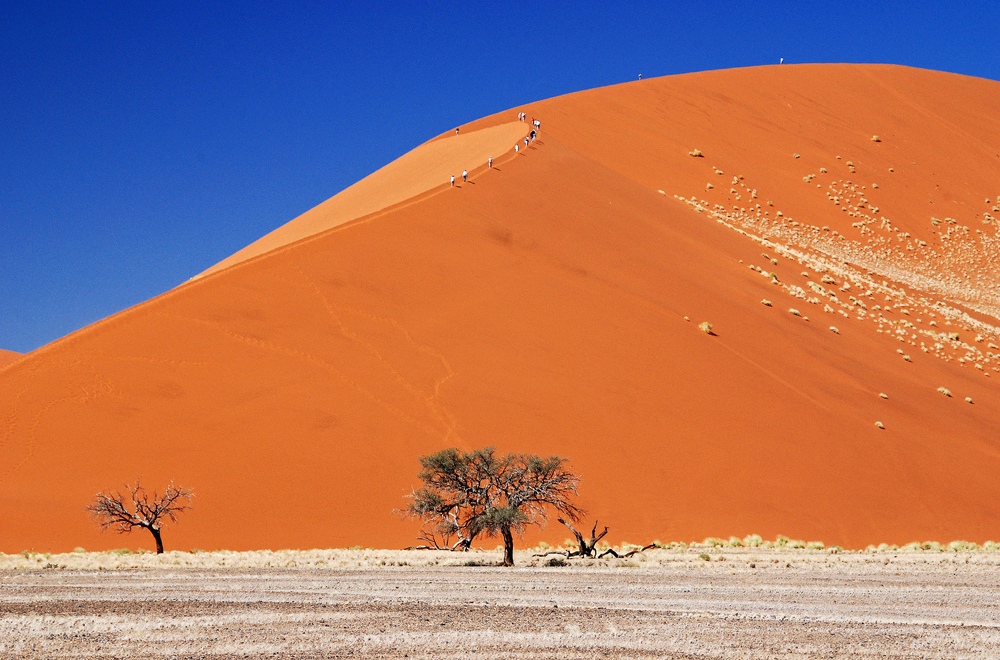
{"x": 142, "y": 142}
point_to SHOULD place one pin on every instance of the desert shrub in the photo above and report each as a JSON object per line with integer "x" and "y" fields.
{"x": 963, "y": 546}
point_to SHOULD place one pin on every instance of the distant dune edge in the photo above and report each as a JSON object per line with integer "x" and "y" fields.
{"x": 752, "y": 301}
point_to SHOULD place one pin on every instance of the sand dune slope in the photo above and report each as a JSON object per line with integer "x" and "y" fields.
{"x": 6, "y": 357}
{"x": 427, "y": 167}
{"x": 552, "y": 305}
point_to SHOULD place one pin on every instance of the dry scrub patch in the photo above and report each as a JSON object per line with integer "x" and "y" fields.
{"x": 368, "y": 558}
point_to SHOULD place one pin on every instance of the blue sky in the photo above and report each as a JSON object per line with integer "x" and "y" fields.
{"x": 143, "y": 142}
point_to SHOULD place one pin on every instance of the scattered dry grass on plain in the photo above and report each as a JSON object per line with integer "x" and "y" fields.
{"x": 716, "y": 549}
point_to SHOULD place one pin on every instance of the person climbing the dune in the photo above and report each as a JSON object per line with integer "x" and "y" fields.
{"x": 490, "y": 162}
{"x": 465, "y": 175}
{"x": 452, "y": 180}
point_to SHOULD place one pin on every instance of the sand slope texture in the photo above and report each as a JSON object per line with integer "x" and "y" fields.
{"x": 6, "y": 357}
{"x": 838, "y": 231}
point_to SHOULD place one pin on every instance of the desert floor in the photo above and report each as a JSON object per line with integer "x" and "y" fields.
{"x": 694, "y": 602}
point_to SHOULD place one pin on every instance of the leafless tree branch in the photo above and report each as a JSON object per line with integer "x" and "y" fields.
{"x": 124, "y": 512}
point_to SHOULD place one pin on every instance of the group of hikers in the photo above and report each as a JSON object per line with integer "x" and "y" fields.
{"x": 536, "y": 126}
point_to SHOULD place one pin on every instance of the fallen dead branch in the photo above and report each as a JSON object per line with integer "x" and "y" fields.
{"x": 588, "y": 548}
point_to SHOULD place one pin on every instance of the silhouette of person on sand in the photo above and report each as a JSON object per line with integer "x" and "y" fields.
{"x": 465, "y": 175}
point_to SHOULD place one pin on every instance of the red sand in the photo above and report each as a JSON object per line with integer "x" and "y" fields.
{"x": 541, "y": 307}
{"x": 6, "y": 357}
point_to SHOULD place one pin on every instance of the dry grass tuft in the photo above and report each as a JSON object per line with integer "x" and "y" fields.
{"x": 696, "y": 153}
{"x": 706, "y": 327}
{"x": 945, "y": 391}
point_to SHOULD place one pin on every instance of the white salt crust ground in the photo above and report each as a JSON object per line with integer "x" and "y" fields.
{"x": 691, "y": 602}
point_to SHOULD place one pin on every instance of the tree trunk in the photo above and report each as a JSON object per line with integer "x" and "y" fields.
{"x": 156, "y": 536}
{"x": 508, "y": 546}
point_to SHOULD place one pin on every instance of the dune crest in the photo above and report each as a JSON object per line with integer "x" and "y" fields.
{"x": 428, "y": 166}
{"x": 846, "y": 391}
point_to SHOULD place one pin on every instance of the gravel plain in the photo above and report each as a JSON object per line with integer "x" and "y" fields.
{"x": 390, "y": 604}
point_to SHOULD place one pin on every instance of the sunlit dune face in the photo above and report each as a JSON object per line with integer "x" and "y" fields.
{"x": 749, "y": 339}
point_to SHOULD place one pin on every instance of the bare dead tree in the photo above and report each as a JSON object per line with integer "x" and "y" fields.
{"x": 124, "y": 512}
{"x": 468, "y": 494}
{"x": 589, "y": 548}
{"x": 613, "y": 553}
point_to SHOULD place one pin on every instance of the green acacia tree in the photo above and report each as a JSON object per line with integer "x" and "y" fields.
{"x": 465, "y": 495}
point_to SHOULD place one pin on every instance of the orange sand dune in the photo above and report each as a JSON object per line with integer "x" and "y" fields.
{"x": 6, "y": 357}
{"x": 552, "y": 305}
{"x": 430, "y": 165}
